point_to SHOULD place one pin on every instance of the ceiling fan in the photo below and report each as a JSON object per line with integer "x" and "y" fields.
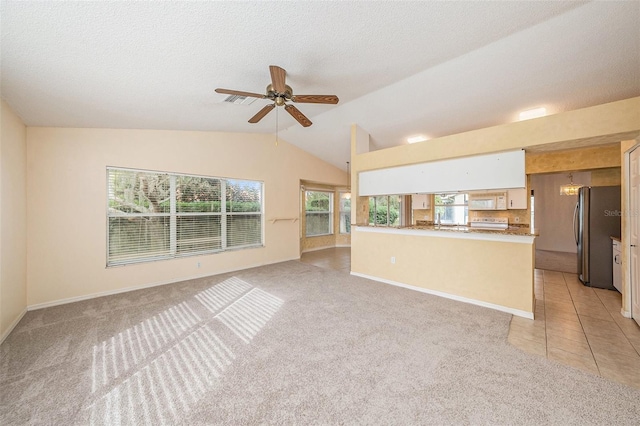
{"x": 280, "y": 93}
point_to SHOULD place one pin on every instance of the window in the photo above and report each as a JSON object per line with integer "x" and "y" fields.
{"x": 345, "y": 212}
{"x": 452, "y": 208}
{"x": 154, "y": 215}
{"x": 385, "y": 210}
{"x": 318, "y": 213}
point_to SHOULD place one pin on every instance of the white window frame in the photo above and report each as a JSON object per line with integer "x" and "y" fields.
{"x": 464, "y": 206}
{"x": 330, "y": 212}
{"x": 174, "y": 214}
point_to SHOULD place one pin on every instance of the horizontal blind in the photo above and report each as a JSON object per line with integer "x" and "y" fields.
{"x": 156, "y": 215}
{"x": 243, "y": 230}
{"x": 198, "y": 214}
{"x": 244, "y": 219}
{"x": 318, "y": 213}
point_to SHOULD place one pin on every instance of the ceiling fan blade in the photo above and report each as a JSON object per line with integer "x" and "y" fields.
{"x": 315, "y": 99}
{"x": 239, "y": 93}
{"x": 278, "y": 76}
{"x": 295, "y": 113}
{"x": 260, "y": 115}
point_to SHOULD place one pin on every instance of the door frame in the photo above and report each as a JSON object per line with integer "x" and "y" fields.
{"x": 626, "y": 216}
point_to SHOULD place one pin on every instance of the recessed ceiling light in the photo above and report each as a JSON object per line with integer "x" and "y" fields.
{"x": 533, "y": 113}
{"x": 419, "y": 138}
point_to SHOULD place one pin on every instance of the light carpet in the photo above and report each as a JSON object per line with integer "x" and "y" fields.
{"x": 288, "y": 344}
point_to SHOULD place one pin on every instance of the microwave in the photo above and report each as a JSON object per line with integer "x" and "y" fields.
{"x": 488, "y": 201}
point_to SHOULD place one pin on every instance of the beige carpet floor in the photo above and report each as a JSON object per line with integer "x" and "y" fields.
{"x": 289, "y": 343}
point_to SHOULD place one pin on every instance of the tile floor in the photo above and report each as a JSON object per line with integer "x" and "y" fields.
{"x": 575, "y": 325}
{"x": 581, "y": 327}
{"x": 338, "y": 258}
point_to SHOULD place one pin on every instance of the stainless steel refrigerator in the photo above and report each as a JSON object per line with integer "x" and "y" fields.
{"x": 596, "y": 220}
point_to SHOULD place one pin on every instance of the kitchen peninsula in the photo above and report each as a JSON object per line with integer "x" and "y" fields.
{"x": 491, "y": 268}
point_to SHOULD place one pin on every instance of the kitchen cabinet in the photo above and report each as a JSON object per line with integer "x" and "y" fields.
{"x": 420, "y": 201}
{"x": 517, "y": 199}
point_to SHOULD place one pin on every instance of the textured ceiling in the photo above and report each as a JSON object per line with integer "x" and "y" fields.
{"x": 399, "y": 68}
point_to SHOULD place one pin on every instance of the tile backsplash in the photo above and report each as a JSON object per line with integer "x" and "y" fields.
{"x": 514, "y": 216}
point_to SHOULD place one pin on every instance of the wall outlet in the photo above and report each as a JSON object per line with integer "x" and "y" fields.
{"x": 198, "y": 264}
{"x": 393, "y": 260}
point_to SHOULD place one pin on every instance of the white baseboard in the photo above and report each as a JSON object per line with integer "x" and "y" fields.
{"x": 512, "y": 311}
{"x": 140, "y": 287}
{"x": 12, "y": 326}
{"x": 624, "y": 313}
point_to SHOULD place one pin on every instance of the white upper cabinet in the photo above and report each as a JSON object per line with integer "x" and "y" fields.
{"x": 480, "y": 172}
{"x": 517, "y": 199}
{"x": 420, "y": 201}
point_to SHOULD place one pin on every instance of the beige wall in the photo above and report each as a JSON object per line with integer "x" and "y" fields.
{"x": 606, "y": 177}
{"x": 67, "y": 202}
{"x": 589, "y": 158}
{"x": 13, "y": 220}
{"x": 500, "y": 273}
{"x": 610, "y": 122}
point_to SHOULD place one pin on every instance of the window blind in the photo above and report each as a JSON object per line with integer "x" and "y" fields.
{"x": 318, "y": 213}
{"x": 154, "y": 215}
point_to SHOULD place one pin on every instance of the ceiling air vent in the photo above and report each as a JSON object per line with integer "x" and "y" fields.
{"x": 239, "y": 100}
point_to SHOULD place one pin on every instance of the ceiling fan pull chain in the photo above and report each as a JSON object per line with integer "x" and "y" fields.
{"x": 276, "y": 126}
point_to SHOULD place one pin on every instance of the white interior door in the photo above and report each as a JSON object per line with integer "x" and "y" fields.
{"x": 634, "y": 209}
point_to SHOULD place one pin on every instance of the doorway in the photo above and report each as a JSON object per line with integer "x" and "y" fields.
{"x": 556, "y": 247}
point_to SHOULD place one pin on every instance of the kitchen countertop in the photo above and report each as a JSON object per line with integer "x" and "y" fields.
{"x": 616, "y": 238}
{"x": 512, "y": 230}
{"x": 519, "y": 235}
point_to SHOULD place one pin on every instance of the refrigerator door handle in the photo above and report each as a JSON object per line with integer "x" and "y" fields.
{"x": 575, "y": 223}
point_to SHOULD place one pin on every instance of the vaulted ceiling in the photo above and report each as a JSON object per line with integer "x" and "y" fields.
{"x": 399, "y": 68}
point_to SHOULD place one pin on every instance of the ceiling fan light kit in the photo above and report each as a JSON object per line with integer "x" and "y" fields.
{"x": 280, "y": 93}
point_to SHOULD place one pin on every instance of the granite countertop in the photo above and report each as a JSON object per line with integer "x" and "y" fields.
{"x": 520, "y": 229}
{"x": 616, "y": 238}
{"x": 511, "y": 230}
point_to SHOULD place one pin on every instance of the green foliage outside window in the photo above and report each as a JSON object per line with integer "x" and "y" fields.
{"x": 384, "y": 210}
{"x": 318, "y": 212}
{"x": 141, "y": 224}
